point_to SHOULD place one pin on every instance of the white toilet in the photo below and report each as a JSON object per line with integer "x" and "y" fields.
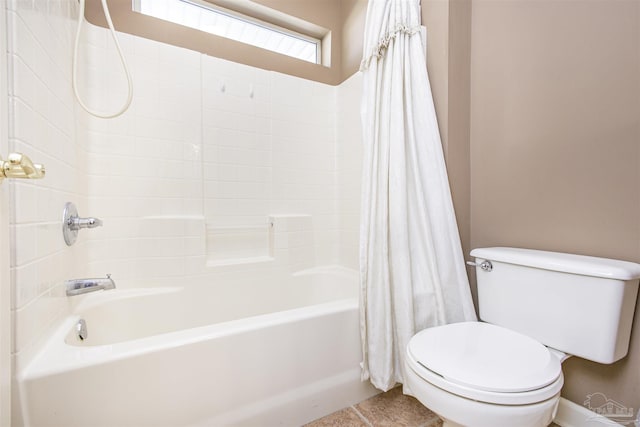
{"x": 537, "y": 306}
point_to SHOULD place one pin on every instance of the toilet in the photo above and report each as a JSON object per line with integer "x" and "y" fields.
{"x": 536, "y": 309}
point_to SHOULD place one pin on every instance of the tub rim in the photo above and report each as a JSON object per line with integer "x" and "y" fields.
{"x": 56, "y": 356}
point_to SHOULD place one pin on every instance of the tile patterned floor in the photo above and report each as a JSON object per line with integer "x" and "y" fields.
{"x": 390, "y": 409}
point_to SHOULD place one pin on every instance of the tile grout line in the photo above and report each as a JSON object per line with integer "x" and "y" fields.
{"x": 362, "y": 417}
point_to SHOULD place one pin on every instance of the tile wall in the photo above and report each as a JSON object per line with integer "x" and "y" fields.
{"x": 144, "y": 168}
{"x": 42, "y": 125}
{"x": 349, "y": 168}
{"x": 269, "y": 148}
{"x": 209, "y": 149}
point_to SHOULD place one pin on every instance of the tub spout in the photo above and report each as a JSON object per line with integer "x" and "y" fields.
{"x": 82, "y": 286}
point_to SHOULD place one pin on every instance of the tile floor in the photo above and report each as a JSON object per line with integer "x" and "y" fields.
{"x": 390, "y": 409}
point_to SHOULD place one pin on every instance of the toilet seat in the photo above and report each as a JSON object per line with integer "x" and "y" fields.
{"x": 485, "y": 362}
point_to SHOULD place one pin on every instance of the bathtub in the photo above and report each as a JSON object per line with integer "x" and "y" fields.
{"x": 278, "y": 354}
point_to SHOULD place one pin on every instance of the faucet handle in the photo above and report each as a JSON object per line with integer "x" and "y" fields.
{"x": 77, "y": 223}
{"x": 72, "y": 223}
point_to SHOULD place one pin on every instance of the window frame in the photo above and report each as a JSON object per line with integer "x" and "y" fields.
{"x": 251, "y": 20}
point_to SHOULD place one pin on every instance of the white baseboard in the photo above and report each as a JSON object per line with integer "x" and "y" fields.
{"x": 573, "y": 415}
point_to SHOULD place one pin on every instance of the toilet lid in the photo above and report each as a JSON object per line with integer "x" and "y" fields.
{"x": 485, "y": 357}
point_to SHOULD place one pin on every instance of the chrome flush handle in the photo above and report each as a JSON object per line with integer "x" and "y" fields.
{"x": 484, "y": 265}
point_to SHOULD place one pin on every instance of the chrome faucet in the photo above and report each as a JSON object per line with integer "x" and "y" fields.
{"x": 72, "y": 223}
{"x": 76, "y": 223}
{"x": 82, "y": 286}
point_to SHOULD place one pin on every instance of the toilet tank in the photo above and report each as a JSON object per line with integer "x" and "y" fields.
{"x": 576, "y": 304}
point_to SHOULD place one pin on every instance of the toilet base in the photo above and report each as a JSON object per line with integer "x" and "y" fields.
{"x": 457, "y": 411}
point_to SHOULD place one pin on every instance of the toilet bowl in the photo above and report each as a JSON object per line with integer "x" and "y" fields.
{"x": 482, "y": 375}
{"x": 536, "y": 308}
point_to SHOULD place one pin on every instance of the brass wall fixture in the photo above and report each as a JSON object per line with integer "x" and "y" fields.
{"x": 19, "y": 165}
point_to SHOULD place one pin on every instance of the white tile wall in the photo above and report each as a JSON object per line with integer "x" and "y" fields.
{"x": 269, "y": 147}
{"x": 237, "y": 146}
{"x": 257, "y": 143}
{"x": 349, "y": 168}
{"x": 206, "y": 143}
{"x": 293, "y": 239}
{"x": 43, "y": 126}
{"x": 144, "y": 168}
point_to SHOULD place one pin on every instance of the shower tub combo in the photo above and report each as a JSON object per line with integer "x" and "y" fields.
{"x": 202, "y": 355}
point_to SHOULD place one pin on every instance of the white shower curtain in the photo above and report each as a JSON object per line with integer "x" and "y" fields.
{"x": 412, "y": 270}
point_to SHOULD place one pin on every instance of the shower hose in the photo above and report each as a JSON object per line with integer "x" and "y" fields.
{"x": 127, "y": 103}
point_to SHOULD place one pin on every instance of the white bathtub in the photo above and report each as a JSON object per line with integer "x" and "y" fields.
{"x": 257, "y": 354}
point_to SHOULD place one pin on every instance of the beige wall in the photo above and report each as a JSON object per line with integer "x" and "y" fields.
{"x": 456, "y": 141}
{"x": 555, "y": 143}
{"x": 353, "y": 18}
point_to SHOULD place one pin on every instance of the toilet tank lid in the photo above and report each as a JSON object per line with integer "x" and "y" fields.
{"x": 563, "y": 262}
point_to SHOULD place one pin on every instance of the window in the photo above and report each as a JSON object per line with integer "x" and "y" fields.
{"x": 223, "y": 22}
